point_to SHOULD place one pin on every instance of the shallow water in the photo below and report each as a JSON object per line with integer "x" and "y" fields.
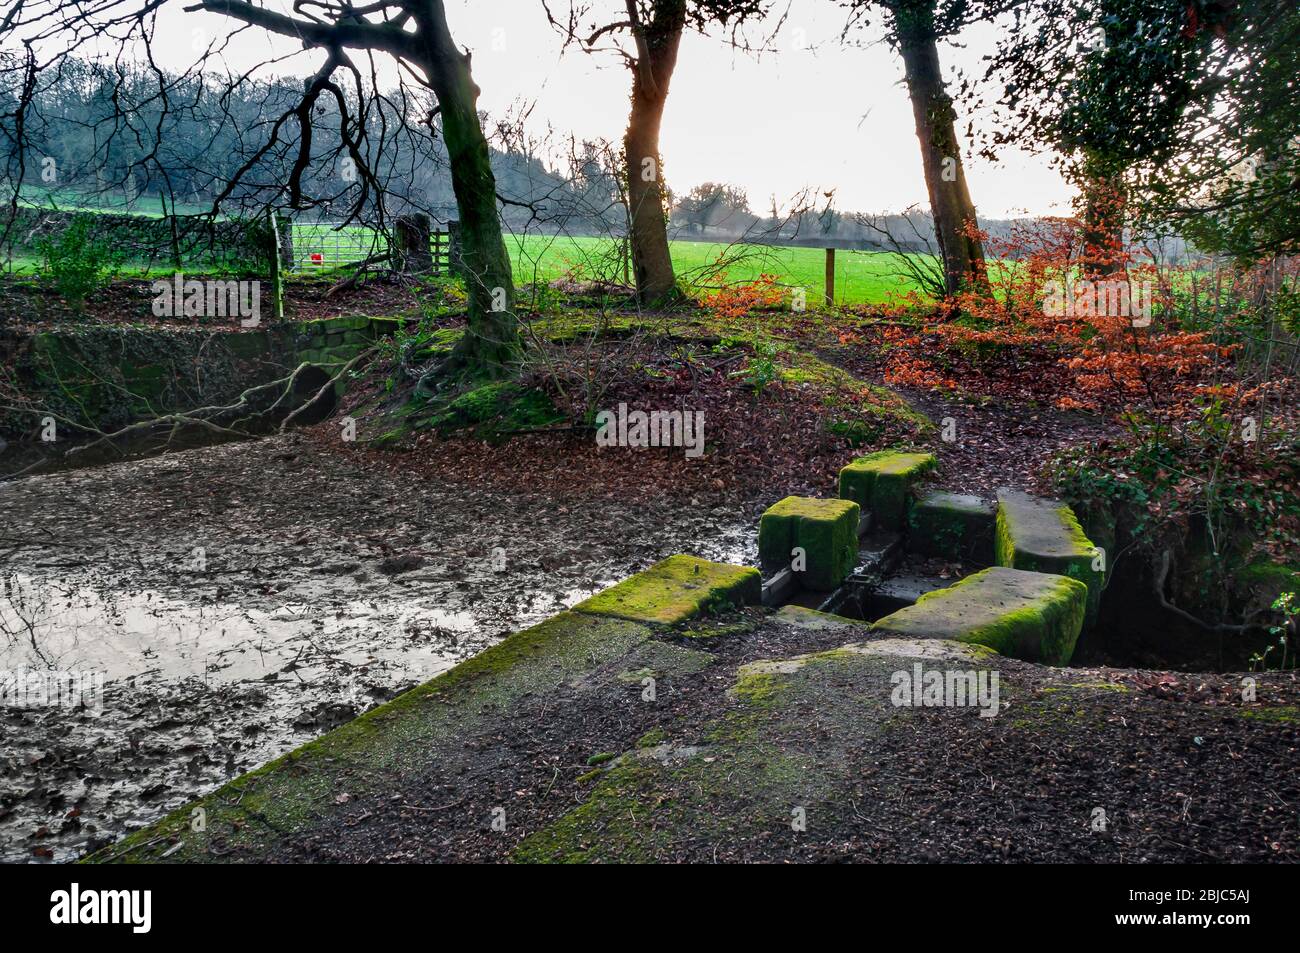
{"x": 173, "y": 697}
{"x": 50, "y": 625}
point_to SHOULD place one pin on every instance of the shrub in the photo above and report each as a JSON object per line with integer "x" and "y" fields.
{"x": 76, "y": 261}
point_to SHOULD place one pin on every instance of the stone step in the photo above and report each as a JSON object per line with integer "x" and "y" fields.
{"x": 954, "y": 526}
{"x": 1029, "y": 615}
{"x": 779, "y": 589}
{"x": 881, "y": 483}
{"x": 814, "y": 599}
{"x": 676, "y": 589}
{"x": 825, "y": 530}
{"x": 879, "y": 553}
{"x": 1045, "y": 536}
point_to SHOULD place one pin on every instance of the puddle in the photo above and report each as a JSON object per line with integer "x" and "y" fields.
{"x": 146, "y": 635}
{"x": 174, "y": 697}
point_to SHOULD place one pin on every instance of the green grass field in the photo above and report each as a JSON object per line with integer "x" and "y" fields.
{"x": 861, "y": 277}
{"x": 74, "y": 200}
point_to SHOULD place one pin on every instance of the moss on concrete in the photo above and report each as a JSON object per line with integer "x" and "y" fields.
{"x": 656, "y": 659}
{"x": 676, "y": 589}
{"x": 826, "y": 530}
{"x": 1028, "y": 615}
{"x": 952, "y": 525}
{"x": 1044, "y": 536}
{"x": 881, "y": 483}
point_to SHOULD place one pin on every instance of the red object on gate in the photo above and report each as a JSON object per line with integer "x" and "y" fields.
{"x": 318, "y": 257}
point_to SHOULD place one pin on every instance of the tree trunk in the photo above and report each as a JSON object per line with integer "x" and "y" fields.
{"x": 1103, "y": 225}
{"x": 491, "y": 341}
{"x": 657, "y": 44}
{"x": 945, "y": 179}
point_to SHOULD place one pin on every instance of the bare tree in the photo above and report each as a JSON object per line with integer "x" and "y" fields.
{"x": 654, "y": 28}
{"x": 414, "y": 33}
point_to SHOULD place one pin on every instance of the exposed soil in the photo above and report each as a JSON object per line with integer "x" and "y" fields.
{"x": 997, "y": 444}
{"x": 991, "y": 441}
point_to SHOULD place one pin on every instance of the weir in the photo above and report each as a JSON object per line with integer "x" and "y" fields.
{"x": 1018, "y": 574}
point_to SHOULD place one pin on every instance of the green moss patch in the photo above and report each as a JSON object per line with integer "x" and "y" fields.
{"x": 676, "y": 589}
{"x": 493, "y": 410}
{"x": 881, "y": 483}
{"x": 1281, "y": 714}
{"x": 827, "y": 532}
{"x": 1045, "y": 536}
{"x": 1028, "y": 615}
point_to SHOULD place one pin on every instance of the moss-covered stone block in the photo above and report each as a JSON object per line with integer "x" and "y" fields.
{"x": 952, "y": 525}
{"x": 384, "y": 327}
{"x": 330, "y": 357}
{"x": 881, "y": 483}
{"x": 347, "y": 323}
{"x": 1029, "y": 615}
{"x": 826, "y": 531}
{"x": 344, "y": 352}
{"x": 676, "y": 589}
{"x": 246, "y": 345}
{"x": 1044, "y": 536}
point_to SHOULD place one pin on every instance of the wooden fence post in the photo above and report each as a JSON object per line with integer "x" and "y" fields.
{"x": 830, "y": 277}
{"x": 414, "y": 254}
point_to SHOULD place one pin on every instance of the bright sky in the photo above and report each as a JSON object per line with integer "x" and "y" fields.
{"x": 811, "y": 114}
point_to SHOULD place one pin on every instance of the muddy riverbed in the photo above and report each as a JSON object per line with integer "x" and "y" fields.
{"x": 224, "y": 605}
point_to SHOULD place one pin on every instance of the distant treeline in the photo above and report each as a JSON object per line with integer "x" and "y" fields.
{"x": 172, "y": 143}
{"x": 125, "y": 137}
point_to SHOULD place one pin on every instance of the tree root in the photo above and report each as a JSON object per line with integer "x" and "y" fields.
{"x": 1158, "y": 587}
